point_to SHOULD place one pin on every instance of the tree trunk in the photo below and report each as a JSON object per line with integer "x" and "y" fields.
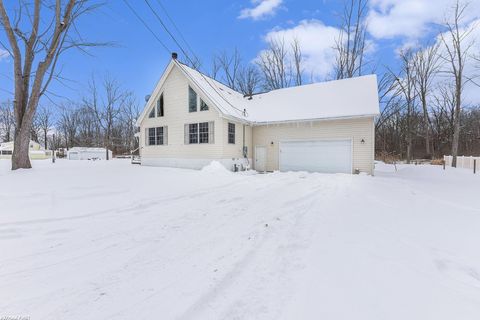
{"x": 456, "y": 135}
{"x": 45, "y": 137}
{"x": 427, "y": 126}
{"x": 20, "y": 156}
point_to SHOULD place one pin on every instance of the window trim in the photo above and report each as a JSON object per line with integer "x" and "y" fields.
{"x": 201, "y": 137}
{"x": 156, "y": 137}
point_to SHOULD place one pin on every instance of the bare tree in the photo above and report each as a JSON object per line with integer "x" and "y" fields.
{"x": 297, "y": 62}
{"x": 248, "y": 80}
{"x": 7, "y": 121}
{"x": 426, "y": 67}
{"x": 49, "y": 36}
{"x": 456, "y": 55}
{"x": 350, "y": 44}
{"x": 128, "y": 117}
{"x": 273, "y": 63}
{"x": 230, "y": 66}
{"x": 406, "y": 87}
{"x": 68, "y": 124}
{"x": 44, "y": 121}
{"x": 106, "y": 109}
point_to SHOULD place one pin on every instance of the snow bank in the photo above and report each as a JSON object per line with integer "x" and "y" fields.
{"x": 107, "y": 239}
{"x": 216, "y": 167}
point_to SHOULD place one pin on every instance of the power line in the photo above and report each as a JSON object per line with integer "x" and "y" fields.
{"x": 181, "y": 48}
{"x": 146, "y": 26}
{"x": 176, "y": 28}
{"x": 188, "y": 57}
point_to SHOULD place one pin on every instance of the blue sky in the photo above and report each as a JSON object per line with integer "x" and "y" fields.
{"x": 211, "y": 26}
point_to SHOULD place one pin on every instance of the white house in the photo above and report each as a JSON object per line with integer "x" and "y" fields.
{"x": 81, "y": 153}
{"x": 36, "y": 151}
{"x": 191, "y": 119}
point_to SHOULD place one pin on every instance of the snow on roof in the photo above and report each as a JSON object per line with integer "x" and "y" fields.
{"x": 353, "y": 97}
{"x": 227, "y": 100}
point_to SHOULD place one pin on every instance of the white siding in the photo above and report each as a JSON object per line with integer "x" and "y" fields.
{"x": 234, "y": 151}
{"x": 355, "y": 129}
{"x": 175, "y": 94}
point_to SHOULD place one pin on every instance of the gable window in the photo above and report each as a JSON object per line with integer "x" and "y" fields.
{"x": 199, "y": 133}
{"x": 192, "y": 100}
{"x": 156, "y": 136}
{"x": 160, "y": 107}
{"x": 203, "y": 106}
{"x": 152, "y": 113}
{"x": 231, "y": 133}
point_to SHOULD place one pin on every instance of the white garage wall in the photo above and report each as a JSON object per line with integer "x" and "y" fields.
{"x": 355, "y": 129}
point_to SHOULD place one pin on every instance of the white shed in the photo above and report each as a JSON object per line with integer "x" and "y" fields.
{"x": 79, "y": 153}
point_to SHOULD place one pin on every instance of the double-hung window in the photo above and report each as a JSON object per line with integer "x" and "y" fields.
{"x": 199, "y": 133}
{"x": 203, "y": 132}
{"x": 193, "y": 133}
{"x": 231, "y": 133}
{"x": 156, "y": 136}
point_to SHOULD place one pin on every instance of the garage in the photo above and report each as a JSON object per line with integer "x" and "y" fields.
{"x": 327, "y": 156}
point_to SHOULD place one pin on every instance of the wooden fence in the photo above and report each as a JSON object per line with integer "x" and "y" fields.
{"x": 463, "y": 162}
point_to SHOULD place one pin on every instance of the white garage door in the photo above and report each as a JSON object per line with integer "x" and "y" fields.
{"x": 329, "y": 156}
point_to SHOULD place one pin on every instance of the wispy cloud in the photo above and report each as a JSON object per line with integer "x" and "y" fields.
{"x": 316, "y": 41}
{"x": 411, "y": 19}
{"x": 261, "y": 9}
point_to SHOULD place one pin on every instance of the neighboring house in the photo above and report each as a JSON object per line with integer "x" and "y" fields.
{"x": 191, "y": 119}
{"x": 81, "y": 153}
{"x": 36, "y": 151}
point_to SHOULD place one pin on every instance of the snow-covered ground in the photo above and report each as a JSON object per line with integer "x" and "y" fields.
{"x": 110, "y": 240}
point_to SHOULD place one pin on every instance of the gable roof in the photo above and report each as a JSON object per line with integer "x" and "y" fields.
{"x": 355, "y": 97}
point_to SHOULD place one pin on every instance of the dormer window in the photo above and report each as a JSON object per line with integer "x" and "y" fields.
{"x": 160, "y": 107}
{"x": 192, "y": 100}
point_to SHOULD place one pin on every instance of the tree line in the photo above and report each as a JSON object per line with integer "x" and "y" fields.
{"x": 424, "y": 112}
{"x": 105, "y": 117}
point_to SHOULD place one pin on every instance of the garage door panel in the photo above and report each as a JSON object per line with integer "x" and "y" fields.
{"x": 329, "y": 156}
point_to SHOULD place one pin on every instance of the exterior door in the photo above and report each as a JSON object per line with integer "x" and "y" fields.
{"x": 328, "y": 156}
{"x": 260, "y": 158}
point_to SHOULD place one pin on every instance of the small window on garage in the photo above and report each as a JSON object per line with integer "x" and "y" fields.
{"x": 231, "y": 133}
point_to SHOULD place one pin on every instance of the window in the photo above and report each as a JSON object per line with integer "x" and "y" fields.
{"x": 192, "y": 100}
{"x": 202, "y": 132}
{"x": 157, "y": 136}
{"x": 152, "y": 113}
{"x": 203, "y": 106}
{"x": 160, "y": 110}
{"x": 151, "y": 136}
{"x": 6, "y": 152}
{"x": 193, "y": 133}
{"x": 231, "y": 133}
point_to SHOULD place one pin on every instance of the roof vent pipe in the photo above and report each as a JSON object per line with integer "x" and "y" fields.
{"x": 174, "y": 55}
